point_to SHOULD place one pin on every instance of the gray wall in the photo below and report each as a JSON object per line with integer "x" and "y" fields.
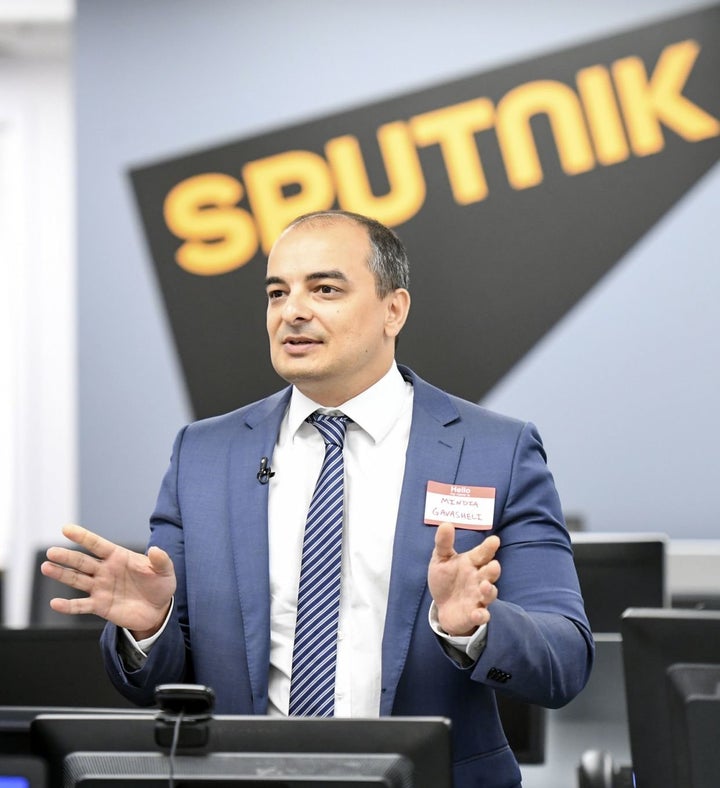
{"x": 623, "y": 389}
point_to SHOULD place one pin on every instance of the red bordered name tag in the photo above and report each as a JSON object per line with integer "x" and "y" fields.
{"x": 464, "y": 507}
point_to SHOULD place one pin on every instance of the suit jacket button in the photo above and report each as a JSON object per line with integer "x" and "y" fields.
{"x": 501, "y": 676}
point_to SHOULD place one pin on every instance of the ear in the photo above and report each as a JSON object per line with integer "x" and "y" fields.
{"x": 397, "y": 308}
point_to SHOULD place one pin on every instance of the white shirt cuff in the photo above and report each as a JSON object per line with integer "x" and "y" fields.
{"x": 470, "y": 645}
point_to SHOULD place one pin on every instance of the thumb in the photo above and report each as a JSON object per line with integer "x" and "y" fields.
{"x": 160, "y": 561}
{"x": 445, "y": 541}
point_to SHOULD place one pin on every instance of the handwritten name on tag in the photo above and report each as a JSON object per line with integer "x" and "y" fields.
{"x": 463, "y": 506}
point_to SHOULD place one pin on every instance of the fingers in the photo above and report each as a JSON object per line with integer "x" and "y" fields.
{"x": 480, "y": 616}
{"x": 160, "y": 561}
{"x": 72, "y": 607}
{"x": 480, "y": 555}
{"x": 487, "y": 593}
{"x": 91, "y": 541}
{"x": 73, "y": 559}
{"x": 444, "y": 541}
{"x": 66, "y": 576}
{"x": 484, "y": 553}
{"x": 75, "y": 568}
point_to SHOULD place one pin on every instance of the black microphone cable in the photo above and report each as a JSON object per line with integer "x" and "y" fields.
{"x": 173, "y": 748}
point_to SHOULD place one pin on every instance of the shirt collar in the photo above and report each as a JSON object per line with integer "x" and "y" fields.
{"x": 375, "y": 410}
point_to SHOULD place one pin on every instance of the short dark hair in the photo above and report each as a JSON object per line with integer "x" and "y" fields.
{"x": 388, "y": 257}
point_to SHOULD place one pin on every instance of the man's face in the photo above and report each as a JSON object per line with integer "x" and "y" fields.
{"x": 330, "y": 334}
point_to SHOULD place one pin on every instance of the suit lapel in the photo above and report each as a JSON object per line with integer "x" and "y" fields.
{"x": 247, "y": 519}
{"x": 433, "y": 453}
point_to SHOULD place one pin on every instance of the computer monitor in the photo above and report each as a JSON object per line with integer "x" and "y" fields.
{"x": 103, "y": 750}
{"x": 525, "y": 728}
{"x": 695, "y": 714}
{"x": 22, "y": 771}
{"x": 618, "y": 571}
{"x": 45, "y": 666}
{"x": 653, "y": 640}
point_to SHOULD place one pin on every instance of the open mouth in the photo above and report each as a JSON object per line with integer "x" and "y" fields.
{"x": 299, "y": 345}
{"x": 299, "y": 341}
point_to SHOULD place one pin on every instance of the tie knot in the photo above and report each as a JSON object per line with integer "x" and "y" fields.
{"x": 332, "y": 428}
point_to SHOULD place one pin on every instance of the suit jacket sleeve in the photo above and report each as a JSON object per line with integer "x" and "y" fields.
{"x": 539, "y": 646}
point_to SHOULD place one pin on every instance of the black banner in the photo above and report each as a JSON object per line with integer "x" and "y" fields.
{"x": 515, "y": 191}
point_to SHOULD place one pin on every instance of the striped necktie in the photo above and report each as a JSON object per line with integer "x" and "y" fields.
{"x": 312, "y": 686}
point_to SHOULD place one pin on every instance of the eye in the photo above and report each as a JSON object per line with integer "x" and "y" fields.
{"x": 275, "y": 294}
{"x": 326, "y": 289}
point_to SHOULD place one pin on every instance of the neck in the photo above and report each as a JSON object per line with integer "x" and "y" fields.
{"x": 334, "y": 397}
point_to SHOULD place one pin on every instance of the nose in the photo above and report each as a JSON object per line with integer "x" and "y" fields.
{"x": 296, "y": 308}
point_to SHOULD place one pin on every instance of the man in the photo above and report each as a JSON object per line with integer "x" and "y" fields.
{"x": 428, "y": 625}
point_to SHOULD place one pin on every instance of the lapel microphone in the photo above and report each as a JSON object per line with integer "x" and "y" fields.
{"x": 266, "y": 472}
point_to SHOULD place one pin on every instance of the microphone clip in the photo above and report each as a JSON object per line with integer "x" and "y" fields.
{"x": 265, "y": 473}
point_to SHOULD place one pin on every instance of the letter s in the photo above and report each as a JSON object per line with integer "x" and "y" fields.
{"x": 219, "y": 237}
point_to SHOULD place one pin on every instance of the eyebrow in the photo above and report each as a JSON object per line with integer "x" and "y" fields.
{"x": 333, "y": 274}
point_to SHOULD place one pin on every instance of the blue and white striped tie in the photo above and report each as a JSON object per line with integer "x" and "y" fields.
{"x": 312, "y": 686}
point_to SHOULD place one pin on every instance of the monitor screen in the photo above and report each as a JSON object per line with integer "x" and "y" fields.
{"x": 653, "y": 640}
{"x": 98, "y": 750}
{"x": 618, "y": 571}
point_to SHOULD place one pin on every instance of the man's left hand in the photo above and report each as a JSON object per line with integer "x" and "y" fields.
{"x": 463, "y": 584}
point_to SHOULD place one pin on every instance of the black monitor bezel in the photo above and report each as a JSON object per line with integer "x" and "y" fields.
{"x": 621, "y": 559}
{"x": 695, "y": 710}
{"x": 55, "y": 666}
{"x": 425, "y": 741}
{"x": 654, "y": 639}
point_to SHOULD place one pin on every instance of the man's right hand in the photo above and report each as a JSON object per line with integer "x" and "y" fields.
{"x": 129, "y": 589}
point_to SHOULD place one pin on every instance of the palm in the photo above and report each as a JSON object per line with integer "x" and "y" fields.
{"x": 451, "y": 584}
{"x": 130, "y": 589}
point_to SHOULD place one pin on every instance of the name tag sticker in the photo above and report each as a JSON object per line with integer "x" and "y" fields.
{"x": 465, "y": 507}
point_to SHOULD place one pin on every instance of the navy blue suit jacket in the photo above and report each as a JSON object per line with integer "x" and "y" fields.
{"x": 211, "y": 517}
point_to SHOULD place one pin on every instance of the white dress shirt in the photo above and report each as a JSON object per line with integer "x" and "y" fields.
{"x": 374, "y": 455}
